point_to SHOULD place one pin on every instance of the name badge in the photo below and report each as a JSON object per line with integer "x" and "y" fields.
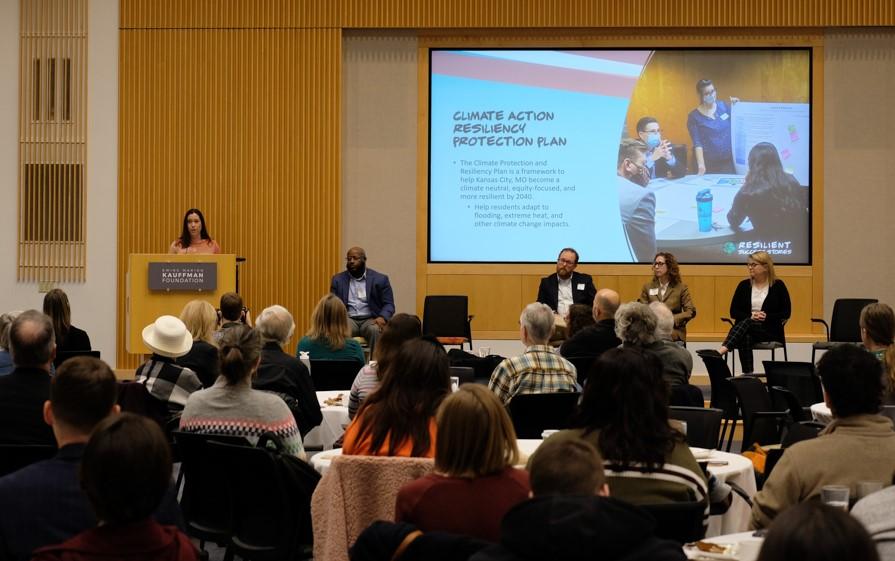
{"x": 654, "y": 292}
{"x": 725, "y": 116}
{"x": 580, "y": 286}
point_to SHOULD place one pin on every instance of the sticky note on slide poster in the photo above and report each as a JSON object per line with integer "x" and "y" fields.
{"x": 785, "y": 125}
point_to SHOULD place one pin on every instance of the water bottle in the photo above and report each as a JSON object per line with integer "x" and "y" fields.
{"x": 704, "y": 209}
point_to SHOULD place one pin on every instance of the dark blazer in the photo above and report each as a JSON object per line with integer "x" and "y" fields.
{"x": 593, "y": 340}
{"x": 43, "y": 504}
{"x": 379, "y": 292}
{"x": 204, "y": 361}
{"x": 75, "y": 340}
{"x": 22, "y": 396}
{"x": 287, "y": 376}
{"x": 777, "y": 306}
{"x": 548, "y": 292}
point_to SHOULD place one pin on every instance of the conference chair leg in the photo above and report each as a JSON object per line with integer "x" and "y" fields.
{"x": 785, "y": 354}
{"x": 812, "y": 356}
{"x": 723, "y": 433}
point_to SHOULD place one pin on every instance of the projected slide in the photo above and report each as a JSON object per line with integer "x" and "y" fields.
{"x": 531, "y": 151}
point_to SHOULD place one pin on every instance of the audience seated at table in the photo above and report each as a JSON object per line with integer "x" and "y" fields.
{"x": 624, "y": 414}
{"x": 68, "y": 337}
{"x": 6, "y": 365}
{"x": 594, "y": 340}
{"x": 24, "y": 391}
{"x": 474, "y": 483}
{"x": 878, "y": 335}
{"x": 875, "y": 512}
{"x": 401, "y": 328}
{"x": 200, "y": 320}
{"x": 43, "y": 504}
{"x": 859, "y": 445}
{"x": 579, "y": 317}
{"x": 329, "y": 337}
{"x": 817, "y": 532}
{"x": 636, "y": 325}
{"x": 398, "y": 419}
{"x": 125, "y": 473}
{"x": 231, "y": 407}
{"x": 283, "y": 374}
{"x": 539, "y": 369}
{"x": 168, "y": 339}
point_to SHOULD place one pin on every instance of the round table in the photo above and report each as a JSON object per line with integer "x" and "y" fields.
{"x": 822, "y": 413}
{"x": 335, "y": 419}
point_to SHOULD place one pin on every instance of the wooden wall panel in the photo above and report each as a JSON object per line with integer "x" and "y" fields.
{"x": 245, "y": 125}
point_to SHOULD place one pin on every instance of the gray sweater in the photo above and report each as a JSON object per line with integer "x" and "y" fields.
{"x": 875, "y": 512}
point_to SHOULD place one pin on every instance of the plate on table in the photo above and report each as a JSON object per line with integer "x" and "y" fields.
{"x": 746, "y": 550}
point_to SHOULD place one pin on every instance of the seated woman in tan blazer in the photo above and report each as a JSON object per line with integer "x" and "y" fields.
{"x": 666, "y": 287}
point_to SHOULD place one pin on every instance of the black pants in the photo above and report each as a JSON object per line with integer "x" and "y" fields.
{"x": 742, "y": 336}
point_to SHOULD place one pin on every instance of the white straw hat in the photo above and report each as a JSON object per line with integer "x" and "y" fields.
{"x": 168, "y": 336}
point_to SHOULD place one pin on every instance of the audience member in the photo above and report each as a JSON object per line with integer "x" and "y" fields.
{"x": 168, "y": 339}
{"x": 818, "y": 532}
{"x": 68, "y": 337}
{"x": 232, "y": 407}
{"x": 878, "y": 335}
{"x": 401, "y": 328}
{"x": 859, "y": 445}
{"x": 200, "y": 320}
{"x": 283, "y": 374}
{"x": 125, "y": 472}
{"x": 24, "y": 391}
{"x": 636, "y": 324}
{"x": 539, "y": 369}
{"x": 398, "y": 419}
{"x": 579, "y": 317}
{"x": 875, "y": 512}
{"x": 366, "y": 294}
{"x": 571, "y": 516}
{"x": 44, "y": 504}
{"x": 624, "y": 414}
{"x": 595, "y": 340}
{"x": 6, "y": 365}
{"x": 667, "y": 287}
{"x": 329, "y": 337}
{"x": 566, "y": 287}
{"x": 233, "y": 312}
{"x": 474, "y": 483}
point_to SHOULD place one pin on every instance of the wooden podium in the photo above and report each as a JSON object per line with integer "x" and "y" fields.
{"x": 145, "y": 304}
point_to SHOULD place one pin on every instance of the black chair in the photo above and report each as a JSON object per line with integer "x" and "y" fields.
{"x": 843, "y": 326}
{"x": 62, "y": 356}
{"x": 723, "y": 396}
{"x": 270, "y": 521}
{"x": 466, "y": 374}
{"x": 14, "y": 457}
{"x": 447, "y": 318}
{"x": 783, "y": 399}
{"x": 533, "y": 413}
{"x": 205, "y": 502}
{"x": 761, "y": 423}
{"x": 682, "y": 522}
{"x": 329, "y": 375}
{"x": 798, "y": 377}
{"x": 759, "y": 346}
{"x": 582, "y": 366}
{"x": 703, "y": 424}
{"x": 686, "y": 395}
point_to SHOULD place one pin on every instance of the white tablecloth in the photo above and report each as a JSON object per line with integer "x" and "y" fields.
{"x": 748, "y": 546}
{"x": 335, "y": 419}
{"x": 822, "y": 413}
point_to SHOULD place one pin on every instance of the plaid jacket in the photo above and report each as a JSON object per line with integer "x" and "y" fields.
{"x": 538, "y": 370}
{"x": 167, "y": 381}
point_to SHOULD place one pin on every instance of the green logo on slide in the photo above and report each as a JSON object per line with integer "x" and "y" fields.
{"x": 729, "y": 248}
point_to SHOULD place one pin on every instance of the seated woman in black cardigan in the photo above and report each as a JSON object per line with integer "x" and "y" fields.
{"x": 759, "y": 306}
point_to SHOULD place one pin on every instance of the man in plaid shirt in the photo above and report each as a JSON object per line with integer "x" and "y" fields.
{"x": 539, "y": 369}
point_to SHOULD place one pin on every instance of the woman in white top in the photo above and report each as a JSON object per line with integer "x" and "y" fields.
{"x": 760, "y": 306}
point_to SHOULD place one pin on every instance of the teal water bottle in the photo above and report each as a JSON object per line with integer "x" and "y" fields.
{"x": 704, "y": 200}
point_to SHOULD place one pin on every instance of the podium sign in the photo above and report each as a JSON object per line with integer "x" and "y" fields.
{"x": 190, "y": 276}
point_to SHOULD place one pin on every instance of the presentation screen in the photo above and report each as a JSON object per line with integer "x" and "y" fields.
{"x": 704, "y": 153}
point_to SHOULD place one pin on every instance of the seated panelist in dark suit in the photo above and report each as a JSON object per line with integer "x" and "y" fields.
{"x": 566, "y": 287}
{"x": 366, "y": 293}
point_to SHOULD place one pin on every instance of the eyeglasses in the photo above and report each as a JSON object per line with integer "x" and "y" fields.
{"x": 564, "y": 262}
{"x": 754, "y": 264}
{"x": 657, "y": 130}
{"x": 659, "y": 264}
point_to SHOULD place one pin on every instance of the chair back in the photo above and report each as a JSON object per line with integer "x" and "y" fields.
{"x": 447, "y": 317}
{"x": 466, "y": 374}
{"x": 888, "y": 411}
{"x": 703, "y": 424}
{"x": 723, "y": 396}
{"x": 783, "y": 399}
{"x": 14, "y": 457}
{"x": 798, "y": 377}
{"x": 761, "y": 422}
{"x": 133, "y": 397}
{"x": 844, "y": 325}
{"x": 582, "y": 366}
{"x": 62, "y": 356}
{"x": 678, "y": 521}
{"x": 533, "y": 413}
{"x": 686, "y": 395}
{"x": 330, "y": 375}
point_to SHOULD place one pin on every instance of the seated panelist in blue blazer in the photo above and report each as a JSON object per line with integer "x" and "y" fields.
{"x": 366, "y": 293}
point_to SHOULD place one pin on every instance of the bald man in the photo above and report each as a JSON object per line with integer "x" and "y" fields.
{"x": 593, "y": 340}
{"x": 366, "y": 293}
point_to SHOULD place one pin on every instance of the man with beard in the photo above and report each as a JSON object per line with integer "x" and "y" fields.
{"x": 566, "y": 287}
{"x": 636, "y": 202}
{"x": 366, "y": 293}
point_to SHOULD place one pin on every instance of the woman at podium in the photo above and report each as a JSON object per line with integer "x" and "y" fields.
{"x": 194, "y": 237}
